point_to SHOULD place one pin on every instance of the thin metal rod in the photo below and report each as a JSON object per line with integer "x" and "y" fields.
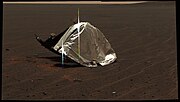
{"x": 62, "y": 55}
{"x": 79, "y": 39}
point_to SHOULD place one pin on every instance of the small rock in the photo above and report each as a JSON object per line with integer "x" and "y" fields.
{"x": 77, "y": 80}
{"x": 98, "y": 91}
{"x": 148, "y": 62}
{"x": 44, "y": 93}
{"x": 39, "y": 79}
{"x": 7, "y": 49}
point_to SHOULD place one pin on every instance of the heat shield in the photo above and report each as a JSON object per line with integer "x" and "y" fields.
{"x": 86, "y": 45}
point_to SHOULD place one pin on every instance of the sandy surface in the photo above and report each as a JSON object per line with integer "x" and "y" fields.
{"x": 143, "y": 36}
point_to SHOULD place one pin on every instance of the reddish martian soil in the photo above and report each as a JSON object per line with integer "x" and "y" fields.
{"x": 142, "y": 35}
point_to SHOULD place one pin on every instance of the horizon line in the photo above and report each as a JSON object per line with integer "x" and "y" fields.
{"x": 74, "y": 2}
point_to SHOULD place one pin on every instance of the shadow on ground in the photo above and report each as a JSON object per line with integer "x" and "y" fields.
{"x": 67, "y": 63}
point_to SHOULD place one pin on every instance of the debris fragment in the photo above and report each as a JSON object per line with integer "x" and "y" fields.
{"x": 114, "y": 92}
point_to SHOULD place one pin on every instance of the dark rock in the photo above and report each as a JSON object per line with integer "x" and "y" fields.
{"x": 77, "y": 80}
{"x": 7, "y": 49}
{"x": 98, "y": 91}
{"x": 39, "y": 79}
{"x": 44, "y": 93}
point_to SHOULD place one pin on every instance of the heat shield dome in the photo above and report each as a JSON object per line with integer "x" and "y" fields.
{"x": 86, "y": 45}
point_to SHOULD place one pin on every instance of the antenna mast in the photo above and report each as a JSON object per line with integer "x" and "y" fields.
{"x": 78, "y": 35}
{"x": 78, "y": 16}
